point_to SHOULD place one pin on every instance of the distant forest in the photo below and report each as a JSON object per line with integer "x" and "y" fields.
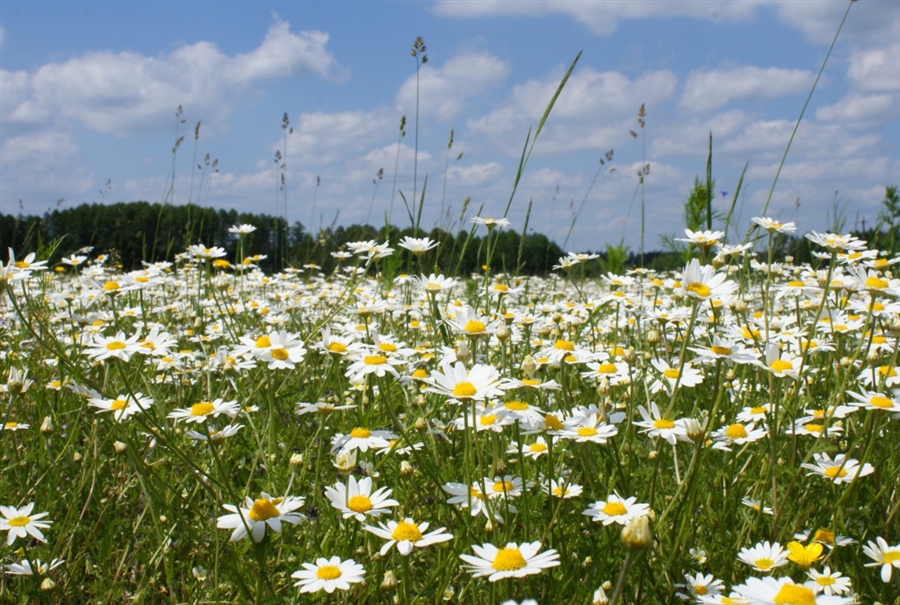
{"x": 132, "y": 232}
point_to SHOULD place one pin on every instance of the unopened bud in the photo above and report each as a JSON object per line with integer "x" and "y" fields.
{"x": 600, "y": 597}
{"x": 502, "y": 333}
{"x": 119, "y": 447}
{"x": 389, "y": 580}
{"x": 296, "y": 460}
{"x": 528, "y": 366}
{"x": 630, "y": 355}
{"x": 406, "y": 468}
{"x": 463, "y": 353}
{"x": 47, "y": 425}
{"x": 421, "y": 424}
{"x": 636, "y": 533}
{"x": 693, "y": 428}
{"x": 603, "y": 387}
{"x": 652, "y": 337}
{"x": 47, "y": 585}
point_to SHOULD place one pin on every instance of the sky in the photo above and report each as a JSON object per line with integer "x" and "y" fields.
{"x": 90, "y": 95}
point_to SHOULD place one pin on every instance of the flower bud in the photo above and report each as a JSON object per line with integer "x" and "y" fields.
{"x": 636, "y": 533}
{"x": 389, "y": 580}
{"x": 296, "y": 460}
{"x": 119, "y": 447}
{"x": 47, "y": 426}
{"x": 600, "y": 597}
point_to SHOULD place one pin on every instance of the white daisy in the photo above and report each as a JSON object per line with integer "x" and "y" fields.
{"x": 511, "y": 561}
{"x": 616, "y": 509}
{"x": 20, "y": 523}
{"x": 255, "y": 515}
{"x": 407, "y": 534}
{"x": 329, "y": 575}
{"x": 356, "y": 498}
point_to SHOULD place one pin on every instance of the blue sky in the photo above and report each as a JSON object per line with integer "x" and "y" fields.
{"x": 89, "y": 90}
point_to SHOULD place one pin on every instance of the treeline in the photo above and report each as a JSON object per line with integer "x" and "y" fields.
{"x": 132, "y": 232}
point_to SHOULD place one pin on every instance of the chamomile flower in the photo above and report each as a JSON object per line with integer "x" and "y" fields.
{"x": 773, "y": 225}
{"x": 20, "y": 523}
{"x": 654, "y": 425}
{"x": 511, "y": 561}
{"x": 764, "y": 556}
{"x": 200, "y": 412}
{"x": 455, "y": 381}
{"x": 123, "y": 406}
{"x": 736, "y": 433}
{"x": 25, "y": 567}
{"x": 829, "y": 582}
{"x": 561, "y": 489}
{"x": 118, "y": 347}
{"x": 407, "y": 534}
{"x": 214, "y": 434}
{"x": 703, "y": 283}
{"x": 783, "y": 591}
{"x": 255, "y": 515}
{"x": 417, "y": 245}
{"x": 362, "y": 439}
{"x": 616, "y": 509}
{"x": 882, "y": 555}
{"x": 839, "y": 469}
{"x": 329, "y": 575}
{"x": 699, "y": 585}
{"x": 356, "y": 498}
{"x": 588, "y": 428}
{"x": 533, "y": 450}
{"x": 872, "y": 400}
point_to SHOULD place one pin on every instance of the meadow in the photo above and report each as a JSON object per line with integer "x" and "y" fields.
{"x": 200, "y": 431}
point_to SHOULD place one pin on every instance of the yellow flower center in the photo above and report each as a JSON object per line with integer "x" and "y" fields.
{"x": 516, "y": 405}
{"x": 833, "y": 472}
{"x": 881, "y": 402}
{"x": 824, "y": 580}
{"x": 565, "y": 345}
{"x": 19, "y": 521}
{"x": 671, "y": 373}
{"x": 359, "y": 504}
{"x": 501, "y": 288}
{"x": 780, "y": 365}
{"x": 763, "y": 563}
{"x": 876, "y": 282}
{"x": 360, "y": 433}
{"x": 586, "y": 431}
{"x": 553, "y": 423}
{"x": 698, "y": 288}
{"x": 823, "y": 535}
{"x": 280, "y": 353}
{"x": 758, "y": 410}
{"x": 502, "y": 487}
{"x": 337, "y": 347}
{"x": 263, "y": 509}
{"x": 663, "y": 423}
{"x": 537, "y": 447}
{"x": 813, "y": 428}
{"x": 115, "y": 345}
{"x": 720, "y": 350}
{"x": 118, "y": 404}
{"x": 532, "y": 382}
{"x": 891, "y": 556}
{"x": 795, "y": 594}
{"x": 263, "y": 342}
{"x": 111, "y": 286}
{"x": 387, "y": 347}
{"x": 887, "y": 371}
{"x": 375, "y": 360}
{"x": 202, "y": 409}
{"x": 420, "y": 373}
{"x": 473, "y": 326}
{"x": 606, "y": 368}
{"x": 328, "y": 572}
{"x": 464, "y": 389}
{"x": 614, "y": 509}
{"x": 487, "y": 420}
{"x": 508, "y": 559}
{"x": 736, "y": 431}
{"x": 406, "y": 531}
{"x": 795, "y": 283}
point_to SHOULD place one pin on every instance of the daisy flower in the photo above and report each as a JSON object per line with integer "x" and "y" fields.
{"x": 407, "y": 534}
{"x": 704, "y": 283}
{"x": 417, "y": 245}
{"x": 773, "y": 225}
{"x": 872, "y": 400}
{"x": 616, "y": 509}
{"x": 490, "y": 223}
{"x": 590, "y": 428}
{"x": 511, "y": 561}
{"x": 482, "y": 381}
{"x": 20, "y": 523}
{"x": 203, "y": 410}
{"x": 699, "y": 585}
{"x": 533, "y": 450}
{"x": 375, "y": 363}
{"x": 836, "y": 243}
{"x": 361, "y": 438}
{"x": 839, "y": 470}
{"x": 215, "y": 435}
{"x": 704, "y": 239}
{"x": 469, "y": 323}
{"x": 329, "y": 575}
{"x": 829, "y": 582}
{"x": 561, "y": 489}
{"x": 764, "y": 556}
{"x": 736, "y": 433}
{"x": 25, "y": 568}
{"x": 255, "y": 515}
{"x": 825, "y": 537}
{"x": 432, "y": 284}
{"x": 757, "y": 506}
{"x": 781, "y": 591}
{"x": 654, "y": 425}
{"x": 887, "y": 557}
{"x": 118, "y": 346}
{"x": 687, "y": 376}
{"x": 122, "y": 406}
{"x": 356, "y": 498}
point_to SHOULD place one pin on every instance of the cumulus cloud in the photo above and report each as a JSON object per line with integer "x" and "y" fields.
{"x": 322, "y": 137}
{"x": 876, "y": 70}
{"x": 602, "y": 18}
{"x": 707, "y": 90}
{"x": 444, "y": 90}
{"x": 859, "y": 109}
{"x": 44, "y": 162}
{"x": 120, "y": 93}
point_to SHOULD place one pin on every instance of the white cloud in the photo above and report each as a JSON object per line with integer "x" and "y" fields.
{"x": 860, "y": 109}
{"x": 323, "y": 138}
{"x": 444, "y": 90}
{"x": 44, "y": 162}
{"x": 876, "y": 70}
{"x": 819, "y": 20}
{"x": 474, "y": 175}
{"x": 119, "y": 93}
{"x": 708, "y": 90}
{"x": 602, "y": 18}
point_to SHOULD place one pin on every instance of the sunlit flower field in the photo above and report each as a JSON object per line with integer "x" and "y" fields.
{"x": 202, "y": 432}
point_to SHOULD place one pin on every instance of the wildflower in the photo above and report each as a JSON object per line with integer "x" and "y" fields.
{"x": 471, "y": 324}
{"x": 699, "y": 585}
{"x": 829, "y": 582}
{"x": 764, "y": 556}
{"x": 616, "y": 509}
{"x": 772, "y": 225}
{"x": 736, "y": 433}
{"x": 417, "y": 246}
{"x": 687, "y": 376}
{"x": 25, "y": 568}
{"x": 436, "y": 283}
{"x": 872, "y": 400}
{"x": 255, "y": 515}
{"x": 329, "y": 575}
{"x": 636, "y": 533}
{"x": 214, "y": 434}
{"x": 533, "y": 450}
{"x": 783, "y": 591}
{"x": 482, "y": 381}
{"x": 839, "y": 470}
{"x": 20, "y": 523}
{"x": 589, "y": 428}
{"x": 203, "y": 253}
{"x": 757, "y": 506}
{"x": 490, "y": 223}
{"x": 118, "y": 346}
{"x": 199, "y": 412}
{"x": 356, "y": 498}
{"x": 241, "y": 230}
{"x": 654, "y": 425}
{"x": 881, "y": 554}
{"x": 804, "y": 556}
{"x": 511, "y": 561}
{"x": 123, "y": 406}
{"x": 825, "y": 537}
{"x": 836, "y": 243}
{"x": 562, "y": 489}
{"x": 361, "y": 438}
{"x": 407, "y": 534}
{"x": 376, "y": 363}
{"x": 703, "y": 239}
